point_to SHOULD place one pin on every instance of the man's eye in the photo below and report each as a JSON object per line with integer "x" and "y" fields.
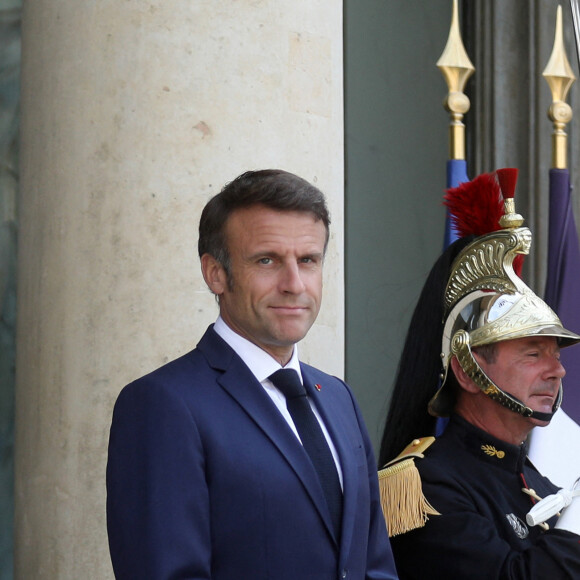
{"x": 265, "y": 261}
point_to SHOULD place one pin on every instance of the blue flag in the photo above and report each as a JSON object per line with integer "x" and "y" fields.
{"x": 456, "y": 175}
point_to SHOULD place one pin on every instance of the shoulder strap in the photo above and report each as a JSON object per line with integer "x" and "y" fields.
{"x": 404, "y": 505}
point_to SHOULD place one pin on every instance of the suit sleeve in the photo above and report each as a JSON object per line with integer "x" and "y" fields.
{"x": 380, "y": 560}
{"x": 157, "y": 497}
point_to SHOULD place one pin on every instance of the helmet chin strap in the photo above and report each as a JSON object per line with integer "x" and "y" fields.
{"x": 461, "y": 348}
{"x": 537, "y": 414}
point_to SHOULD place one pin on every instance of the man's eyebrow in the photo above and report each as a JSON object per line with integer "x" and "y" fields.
{"x": 312, "y": 254}
{"x": 535, "y": 342}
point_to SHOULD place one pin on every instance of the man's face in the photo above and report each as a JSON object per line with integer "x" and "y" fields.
{"x": 529, "y": 369}
{"x": 275, "y": 286}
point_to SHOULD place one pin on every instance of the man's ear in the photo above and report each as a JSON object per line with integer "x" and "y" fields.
{"x": 213, "y": 274}
{"x": 464, "y": 380}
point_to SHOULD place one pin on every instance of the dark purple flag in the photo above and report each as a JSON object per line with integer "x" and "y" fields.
{"x": 563, "y": 281}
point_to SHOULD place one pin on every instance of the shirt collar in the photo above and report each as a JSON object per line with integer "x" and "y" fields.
{"x": 260, "y": 363}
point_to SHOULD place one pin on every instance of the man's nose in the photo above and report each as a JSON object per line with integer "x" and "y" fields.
{"x": 557, "y": 369}
{"x": 291, "y": 280}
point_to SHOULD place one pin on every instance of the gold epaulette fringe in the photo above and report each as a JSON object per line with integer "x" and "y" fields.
{"x": 404, "y": 506}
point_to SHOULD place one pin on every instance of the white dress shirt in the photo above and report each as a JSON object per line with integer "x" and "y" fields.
{"x": 262, "y": 365}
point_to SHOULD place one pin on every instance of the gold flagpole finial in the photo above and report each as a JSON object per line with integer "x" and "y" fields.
{"x": 456, "y": 68}
{"x": 559, "y": 76}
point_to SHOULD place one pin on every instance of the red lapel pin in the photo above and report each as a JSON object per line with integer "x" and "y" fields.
{"x": 317, "y": 387}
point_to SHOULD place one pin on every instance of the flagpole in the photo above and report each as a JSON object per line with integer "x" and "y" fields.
{"x": 456, "y": 68}
{"x": 559, "y": 76}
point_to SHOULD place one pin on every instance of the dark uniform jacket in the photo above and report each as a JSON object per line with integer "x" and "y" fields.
{"x": 475, "y": 481}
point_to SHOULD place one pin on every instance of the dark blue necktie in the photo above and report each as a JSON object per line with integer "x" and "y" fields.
{"x": 313, "y": 440}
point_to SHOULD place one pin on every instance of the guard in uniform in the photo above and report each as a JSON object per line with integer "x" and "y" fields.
{"x": 456, "y": 505}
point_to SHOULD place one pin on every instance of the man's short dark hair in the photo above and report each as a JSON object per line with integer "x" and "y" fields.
{"x": 273, "y": 188}
{"x": 487, "y": 351}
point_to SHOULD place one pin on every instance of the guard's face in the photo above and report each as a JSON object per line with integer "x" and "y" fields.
{"x": 529, "y": 369}
{"x": 275, "y": 286}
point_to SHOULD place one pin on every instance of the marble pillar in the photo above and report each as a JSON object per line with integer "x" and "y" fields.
{"x": 134, "y": 113}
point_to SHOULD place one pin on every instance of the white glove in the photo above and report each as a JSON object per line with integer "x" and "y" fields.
{"x": 570, "y": 518}
{"x": 552, "y": 504}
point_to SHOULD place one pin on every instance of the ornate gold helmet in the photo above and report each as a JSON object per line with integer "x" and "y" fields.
{"x": 486, "y": 302}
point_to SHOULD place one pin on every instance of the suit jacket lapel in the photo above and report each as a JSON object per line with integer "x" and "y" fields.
{"x": 237, "y": 379}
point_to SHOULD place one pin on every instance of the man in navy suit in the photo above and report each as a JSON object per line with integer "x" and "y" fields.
{"x": 208, "y": 474}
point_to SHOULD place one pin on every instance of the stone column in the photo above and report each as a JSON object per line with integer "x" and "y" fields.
{"x": 134, "y": 113}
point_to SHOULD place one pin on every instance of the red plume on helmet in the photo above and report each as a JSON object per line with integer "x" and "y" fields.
{"x": 477, "y": 206}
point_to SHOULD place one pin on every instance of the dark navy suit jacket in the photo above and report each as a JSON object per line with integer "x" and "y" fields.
{"x": 205, "y": 479}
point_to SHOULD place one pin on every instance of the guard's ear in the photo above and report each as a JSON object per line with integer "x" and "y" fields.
{"x": 464, "y": 380}
{"x": 214, "y": 274}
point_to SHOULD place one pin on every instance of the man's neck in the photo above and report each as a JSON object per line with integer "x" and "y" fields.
{"x": 501, "y": 423}
{"x": 260, "y": 362}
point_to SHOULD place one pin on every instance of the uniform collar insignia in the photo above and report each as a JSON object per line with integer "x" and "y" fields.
{"x": 492, "y": 451}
